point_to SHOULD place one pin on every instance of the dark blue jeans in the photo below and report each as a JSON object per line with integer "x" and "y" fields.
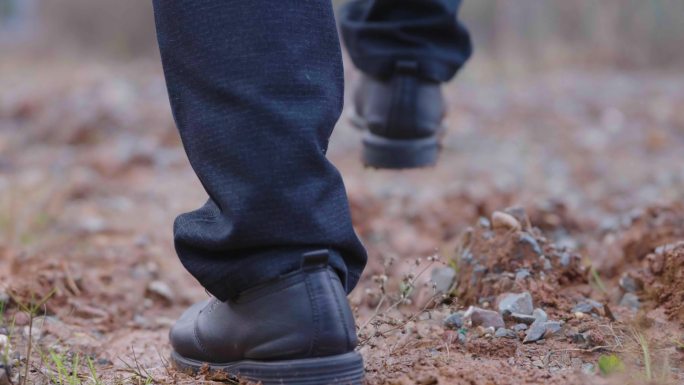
{"x": 256, "y": 88}
{"x": 378, "y": 33}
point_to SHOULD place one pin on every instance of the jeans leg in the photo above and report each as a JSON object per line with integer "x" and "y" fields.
{"x": 378, "y": 33}
{"x": 256, "y": 88}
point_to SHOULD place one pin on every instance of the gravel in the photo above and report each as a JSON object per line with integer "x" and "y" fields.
{"x": 521, "y": 303}
{"x": 484, "y": 318}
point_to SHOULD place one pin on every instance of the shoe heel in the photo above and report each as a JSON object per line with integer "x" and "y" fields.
{"x": 380, "y": 152}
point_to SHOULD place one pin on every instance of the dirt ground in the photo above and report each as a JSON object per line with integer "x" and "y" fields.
{"x": 563, "y": 185}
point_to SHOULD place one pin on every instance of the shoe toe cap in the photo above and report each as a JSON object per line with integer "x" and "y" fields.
{"x": 183, "y": 337}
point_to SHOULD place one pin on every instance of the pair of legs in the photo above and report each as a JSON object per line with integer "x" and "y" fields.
{"x": 256, "y": 88}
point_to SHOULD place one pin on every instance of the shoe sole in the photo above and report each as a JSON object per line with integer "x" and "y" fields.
{"x": 381, "y": 152}
{"x": 344, "y": 369}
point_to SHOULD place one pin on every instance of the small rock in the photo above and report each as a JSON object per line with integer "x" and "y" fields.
{"x": 535, "y": 332}
{"x": 515, "y": 303}
{"x": 21, "y": 319}
{"x": 4, "y": 343}
{"x": 522, "y": 274}
{"x": 539, "y": 329}
{"x": 656, "y": 263}
{"x": 485, "y": 332}
{"x": 505, "y": 333}
{"x": 519, "y": 213}
{"x": 92, "y": 225}
{"x": 161, "y": 290}
{"x": 484, "y": 223}
{"x": 565, "y": 259}
{"x": 484, "y": 318}
{"x": 588, "y": 306}
{"x": 520, "y": 327}
{"x": 540, "y": 314}
{"x": 462, "y": 339}
{"x": 522, "y": 318}
{"x": 454, "y": 321}
{"x": 630, "y": 301}
{"x": 538, "y": 363}
{"x": 527, "y": 245}
{"x": 630, "y": 284}
{"x": 504, "y": 221}
{"x": 443, "y": 278}
{"x": 4, "y": 298}
{"x": 588, "y": 368}
{"x": 580, "y": 338}
{"x": 552, "y": 327}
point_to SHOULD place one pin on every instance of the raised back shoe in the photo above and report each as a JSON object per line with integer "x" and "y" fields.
{"x": 401, "y": 118}
{"x": 298, "y": 329}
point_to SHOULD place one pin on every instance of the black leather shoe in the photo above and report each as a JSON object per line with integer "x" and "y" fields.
{"x": 298, "y": 329}
{"x": 401, "y": 118}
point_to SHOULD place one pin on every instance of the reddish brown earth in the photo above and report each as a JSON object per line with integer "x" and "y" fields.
{"x": 92, "y": 175}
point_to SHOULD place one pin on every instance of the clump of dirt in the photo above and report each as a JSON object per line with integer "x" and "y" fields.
{"x": 639, "y": 234}
{"x": 664, "y": 278}
{"x": 496, "y": 257}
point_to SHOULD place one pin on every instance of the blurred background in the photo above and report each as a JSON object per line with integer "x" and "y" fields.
{"x": 520, "y": 36}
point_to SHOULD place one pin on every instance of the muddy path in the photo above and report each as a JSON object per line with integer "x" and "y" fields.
{"x": 564, "y": 186}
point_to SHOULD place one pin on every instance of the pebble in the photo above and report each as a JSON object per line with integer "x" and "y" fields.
{"x": 443, "y": 278}
{"x": 522, "y": 274}
{"x": 520, "y": 327}
{"x": 630, "y": 284}
{"x": 516, "y": 303}
{"x": 484, "y": 318}
{"x": 454, "y": 321}
{"x": 21, "y": 319}
{"x": 484, "y": 223}
{"x": 505, "y": 333}
{"x": 161, "y": 290}
{"x": 519, "y": 213}
{"x": 4, "y": 298}
{"x": 587, "y": 306}
{"x": 485, "y": 332}
{"x": 540, "y": 314}
{"x": 535, "y": 332}
{"x": 4, "y": 342}
{"x": 525, "y": 240}
{"x": 552, "y": 327}
{"x": 588, "y": 368}
{"x": 504, "y": 221}
{"x": 522, "y": 318}
{"x": 630, "y": 301}
{"x": 539, "y": 329}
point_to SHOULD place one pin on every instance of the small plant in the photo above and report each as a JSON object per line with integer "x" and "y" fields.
{"x": 610, "y": 364}
{"x": 65, "y": 374}
{"x": 94, "y": 377}
{"x": 646, "y": 352}
{"x": 596, "y": 280}
{"x": 32, "y": 308}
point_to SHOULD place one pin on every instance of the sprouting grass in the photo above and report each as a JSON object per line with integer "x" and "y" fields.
{"x": 65, "y": 374}
{"x": 32, "y": 308}
{"x": 646, "y": 354}
{"x": 596, "y": 280}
